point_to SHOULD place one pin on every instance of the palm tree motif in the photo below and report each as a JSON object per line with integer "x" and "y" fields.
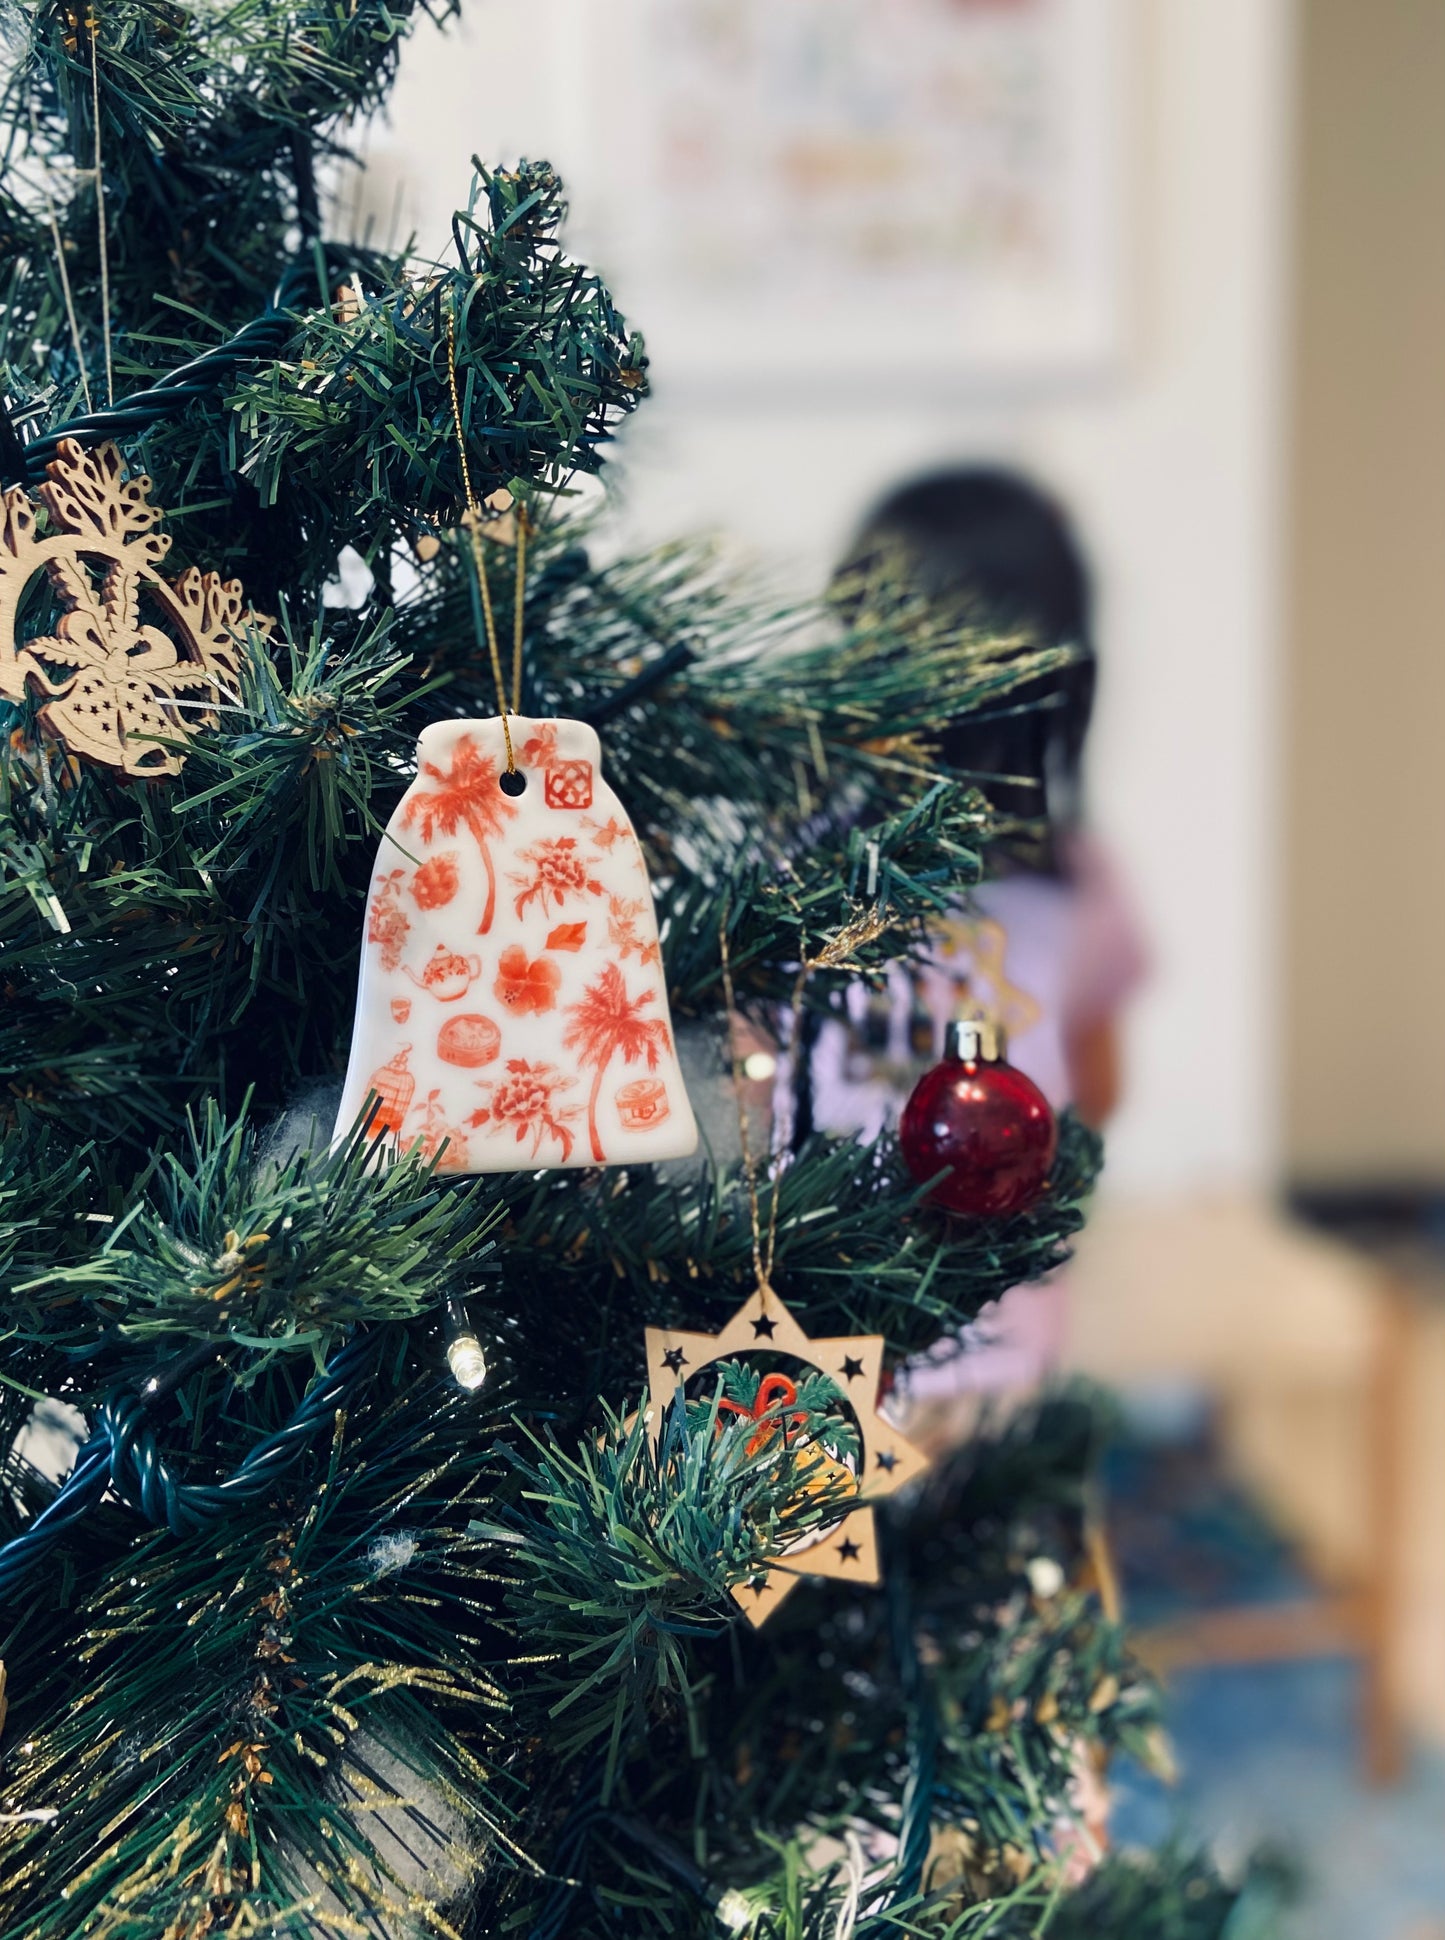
{"x": 466, "y": 796}
{"x": 606, "y": 1021}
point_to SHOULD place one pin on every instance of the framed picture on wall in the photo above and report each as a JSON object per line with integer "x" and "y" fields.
{"x": 858, "y": 194}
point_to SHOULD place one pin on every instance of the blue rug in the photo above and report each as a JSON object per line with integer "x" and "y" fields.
{"x": 1269, "y": 1754}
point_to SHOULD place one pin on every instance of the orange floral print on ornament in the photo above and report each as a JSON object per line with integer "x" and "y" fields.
{"x": 466, "y": 795}
{"x": 524, "y": 986}
{"x": 558, "y": 872}
{"x": 540, "y": 748}
{"x": 623, "y": 915}
{"x": 438, "y": 1140}
{"x": 525, "y": 1101}
{"x": 436, "y": 882}
{"x": 387, "y": 922}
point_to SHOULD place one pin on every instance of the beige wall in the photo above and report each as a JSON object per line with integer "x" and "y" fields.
{"x": 1365, "y": 1025}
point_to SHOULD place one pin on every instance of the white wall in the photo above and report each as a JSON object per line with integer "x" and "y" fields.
{"x": 1173, "y": 465}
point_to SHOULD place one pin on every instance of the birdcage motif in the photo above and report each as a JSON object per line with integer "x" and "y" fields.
{"x": 395, "y": 1087}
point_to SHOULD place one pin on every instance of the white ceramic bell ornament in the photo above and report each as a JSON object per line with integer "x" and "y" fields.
{"x": 511, "y": 1014}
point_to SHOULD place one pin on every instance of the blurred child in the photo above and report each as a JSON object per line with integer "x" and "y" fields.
{"x": 1049, "y": 949}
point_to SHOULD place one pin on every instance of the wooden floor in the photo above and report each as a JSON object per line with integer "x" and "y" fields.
{"x": 1259, "y": 1314}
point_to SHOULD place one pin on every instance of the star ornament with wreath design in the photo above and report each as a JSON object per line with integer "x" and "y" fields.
{"x": 848, "y": 1548}
{"x": 135, "y": 660}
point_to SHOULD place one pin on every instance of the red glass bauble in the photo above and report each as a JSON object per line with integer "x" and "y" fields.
{"x": 989, "y": 1126}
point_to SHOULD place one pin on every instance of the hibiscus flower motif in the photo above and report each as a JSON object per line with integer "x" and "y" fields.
{"x": 524, "y": 985}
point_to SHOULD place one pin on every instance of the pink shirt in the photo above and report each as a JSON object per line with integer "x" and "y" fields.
{"x": 1043, "y": 955}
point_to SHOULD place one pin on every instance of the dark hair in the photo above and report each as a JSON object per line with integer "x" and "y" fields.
{"x": 991, "y": 542}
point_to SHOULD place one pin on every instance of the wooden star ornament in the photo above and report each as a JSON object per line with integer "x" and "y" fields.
{"x": 848, "y": 1548}
{"x": 981, "y": 943}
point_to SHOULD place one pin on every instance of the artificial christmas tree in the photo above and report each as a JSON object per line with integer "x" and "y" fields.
{"x": 368, "y": 1604}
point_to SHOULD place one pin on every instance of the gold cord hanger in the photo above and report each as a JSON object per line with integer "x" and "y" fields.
{"x": 762, "y": 1254}
{"x": 71, "y": 316}
{"x": 102, "y": 242}
{"x": 837, "y": 951}
{"x": 473, "y": 521}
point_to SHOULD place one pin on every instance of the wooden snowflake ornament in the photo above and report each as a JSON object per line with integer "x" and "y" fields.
{"x": 848, "y": 1548}
{"x": 134, "y": 658}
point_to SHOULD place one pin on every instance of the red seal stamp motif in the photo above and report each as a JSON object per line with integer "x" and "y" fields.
{"x": 569, "y": 784}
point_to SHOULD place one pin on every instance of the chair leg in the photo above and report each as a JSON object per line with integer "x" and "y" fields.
{"x": 1382, "y": 1733}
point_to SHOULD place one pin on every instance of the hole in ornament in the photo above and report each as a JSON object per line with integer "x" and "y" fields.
{"x": 781, "y": 1405}
{"x": 513, "y": 783}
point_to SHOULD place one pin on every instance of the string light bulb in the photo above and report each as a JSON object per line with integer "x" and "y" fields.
{"x": 464, "y": 1351}
{"x": 735, "y": 1911}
